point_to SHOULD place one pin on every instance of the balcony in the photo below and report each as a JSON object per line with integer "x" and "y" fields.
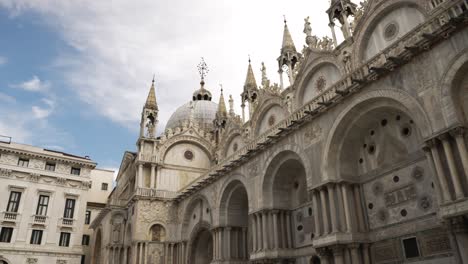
{"x": 39, "y": 219}
{"x": 10, "y": 217}
{"x": 66, "y": 222}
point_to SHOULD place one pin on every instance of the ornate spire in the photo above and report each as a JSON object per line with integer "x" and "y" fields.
{"x": 151, "y": 100}
{"x": 222, "y": 112}
{"x": 288, "y": 43}
{"x": 202, "y": 94}
{"x": 250, "y": 82}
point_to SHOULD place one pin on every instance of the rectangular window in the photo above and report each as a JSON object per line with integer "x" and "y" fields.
{"x": 13, "y": 202}
{"x": 50, "y": 166}
{"x": 5, "y": 234}
{"x": 64, "y": 239}
{"x": 411, "y": 247}
{"x": 23, "y": 162}
{"x": 87, "y": 219}
{"x": 42, "y": 205}
{"x": 104, "y": 186}
{"x": 69, "y": 209}
{"x": 36, "y": 237}
{"x": 85, "y": 240}
{"x": 75, "y": 171}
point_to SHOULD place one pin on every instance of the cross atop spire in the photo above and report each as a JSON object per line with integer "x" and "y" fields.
{"x": 151, "y": 99}
{"x": 288, "y": 43}
{"x": 203, "y": 69}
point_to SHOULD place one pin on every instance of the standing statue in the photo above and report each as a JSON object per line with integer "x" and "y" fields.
{"x": 347, "y": 61}
{"x": 307, "y": 27}
{"x": 150, "y": 127}
{"x": 265, "y": 81}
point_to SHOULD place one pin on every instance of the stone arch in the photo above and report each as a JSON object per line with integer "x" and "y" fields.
{"x": 97, "y": 249}
{"x": 284, "y": 183}
{"x": 200, "y": 244}
{"x": 157, "y": 232}
{"x": 4, "y": 261}
{"x": 373, "y": 18}
{"x": 228, "y": 148}
{"x": 370, "y": 105}
{"x": 197, "y": 210}
{"x": 454, "y": 90}
{"x": 199, "y": 142}
{"x": 323, "y": 67}
{"x": 260, "y": 122}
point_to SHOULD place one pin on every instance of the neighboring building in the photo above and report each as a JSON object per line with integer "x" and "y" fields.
{"x": 43, "y": 197}
{"x": 361, "y": 159}
{"x": 101, "y": 187}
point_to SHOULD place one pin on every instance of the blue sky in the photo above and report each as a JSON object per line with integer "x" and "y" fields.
{"x": 75, "y": 74}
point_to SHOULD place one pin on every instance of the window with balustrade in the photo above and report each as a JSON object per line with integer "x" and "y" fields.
{"x": 64, "y": 239}
{"x": 36, "y": 237}
{"x": 23, "y": 162}
{"x": 13, "y": 202}
{"x": 42, "y": 205}
{"x": 6, "y": 234}
{"x": 69, "y": 209}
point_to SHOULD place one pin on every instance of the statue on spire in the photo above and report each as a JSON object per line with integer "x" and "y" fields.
{"x": 265, "y": 81}
{"x": 307, "y": 27}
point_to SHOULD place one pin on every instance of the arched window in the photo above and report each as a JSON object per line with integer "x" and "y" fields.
{"x": 157, "y": 233}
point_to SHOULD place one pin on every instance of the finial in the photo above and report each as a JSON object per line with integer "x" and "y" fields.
{"x": 154, "y": 76}
{"x": 203, "y": 69}
{"x": 285, "y": 21}
{"x": 221, "y": 86}
{"x": 249, "y": 59}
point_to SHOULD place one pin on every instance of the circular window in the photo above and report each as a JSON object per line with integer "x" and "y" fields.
{"x": 300, "y": 227}
{"x": 188, "y": 155}
{"x": 372, "y": 132}
{"x": 404, "y": 212}
{"x": 364, "y": 146}
{"x": 361, "y": 161}
{"x": 398, "y": 117}
{"x": 391, "y": 31}
{"x": 371, "y": 206}
{"x": 371, "y": 149}
{"x": 384, "y": 122}
{"x": 271, "y": 120}
{"x": 396, "y": 179}
{"x": 406, "y": 131}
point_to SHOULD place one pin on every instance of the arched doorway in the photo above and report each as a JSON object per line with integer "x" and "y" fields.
{"x": 97, "y": 248}
{"x": 202, "y": 248}
{"x": 234, "y": 214}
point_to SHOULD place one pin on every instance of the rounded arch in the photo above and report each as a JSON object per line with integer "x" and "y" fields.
{"x": 454, "y": 90}
{"x": 200, "y": 142}
{"x": 372, "y": 19}
{"x": 231, "y": 139}
{"x": 326, "y": 67}
{"x": 284, "y": 184}
{"x": 157, "y": 232}
{"x": 370, "y": 102}
{"x": 197, "y": 210}
{"x": 268, "y": 113}
{"x": 4, "y": 260}
{"x": 234, "y": 203}
{"x": 200, "y": 244}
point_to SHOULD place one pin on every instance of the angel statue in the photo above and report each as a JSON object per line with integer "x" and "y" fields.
{"x": 307, "y": 27}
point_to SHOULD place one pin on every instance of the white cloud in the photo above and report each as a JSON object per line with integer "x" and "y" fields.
{"x": 42, "y": 112}
{"x": 120, "y": 44}
{"x": 5, "y": 98}
{"x": 3, "y": 60}
{"x": 33, "y": 85}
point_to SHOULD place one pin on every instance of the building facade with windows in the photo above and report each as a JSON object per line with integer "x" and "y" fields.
{"x": 361, "y": 158}
{"x": 99, "y": 191}
{"x": 43, "y": 202}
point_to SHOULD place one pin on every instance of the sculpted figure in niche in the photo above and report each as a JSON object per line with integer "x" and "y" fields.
{"x": 116, "y": 233}
{"x": 347, "y": 61}
{"x": 158, "y": 234}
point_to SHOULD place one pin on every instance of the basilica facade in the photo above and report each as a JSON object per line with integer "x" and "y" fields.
{"x": 358, "y": 155}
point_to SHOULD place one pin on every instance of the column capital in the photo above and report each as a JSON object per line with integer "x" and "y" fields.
{"x": 337, "y": 250}
{"x": 153, "y": 165}
{"x": 323, "y": 252}
{"x": 353, "y": 246}
{"x": 458, "y": 132}
{"x": 444, "y": 137}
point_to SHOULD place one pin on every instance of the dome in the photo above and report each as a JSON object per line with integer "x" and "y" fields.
{"x": 204, "y": 112}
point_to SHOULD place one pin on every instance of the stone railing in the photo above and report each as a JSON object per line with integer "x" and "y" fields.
{"x": 67, "y": 222}
{"x": 39, "y": 219}
{"x": 439, "y": 25}
{"x": 10, "y": 216}
{"x": 148, "y": 192}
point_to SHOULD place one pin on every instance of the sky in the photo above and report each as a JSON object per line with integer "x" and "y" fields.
{"x": 74, "y": 75}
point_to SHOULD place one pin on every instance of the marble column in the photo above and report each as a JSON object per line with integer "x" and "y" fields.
{"x": 316, "y": 212}
{"x": 326, "y": 228}
{"x": 124, "y": 259}
{"x": 458, "y": 134}
{"x": 324, "y": 254}
{"x": 355, "y": 253}
{"x": 331, "y": 198}
{"x": 275, "y": 229}
{"x": 366, "y": 253}
{"x": 215, "y": 244}
{"x": 288, "y": 229}
{"x": 235, "y": 240}
{"x": 440, "y": 171}
{"x": 244, "y": 249}
{"x": 452, "y": 166}
{"x": 359, "y": 209}
{"x": 265, "y": 230}
{"x": 259, "y": 232}
{"x": 140, "y": 175}
{"x": 438, "y": 187}
{"x": 347, "y": 207}
{"x": 338, "y": 254}
{"x": 332, "y": 27}
{"x": 227, "y": 232}
{"x": 153, "y": 176}
{"x": 254, "y": 233}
